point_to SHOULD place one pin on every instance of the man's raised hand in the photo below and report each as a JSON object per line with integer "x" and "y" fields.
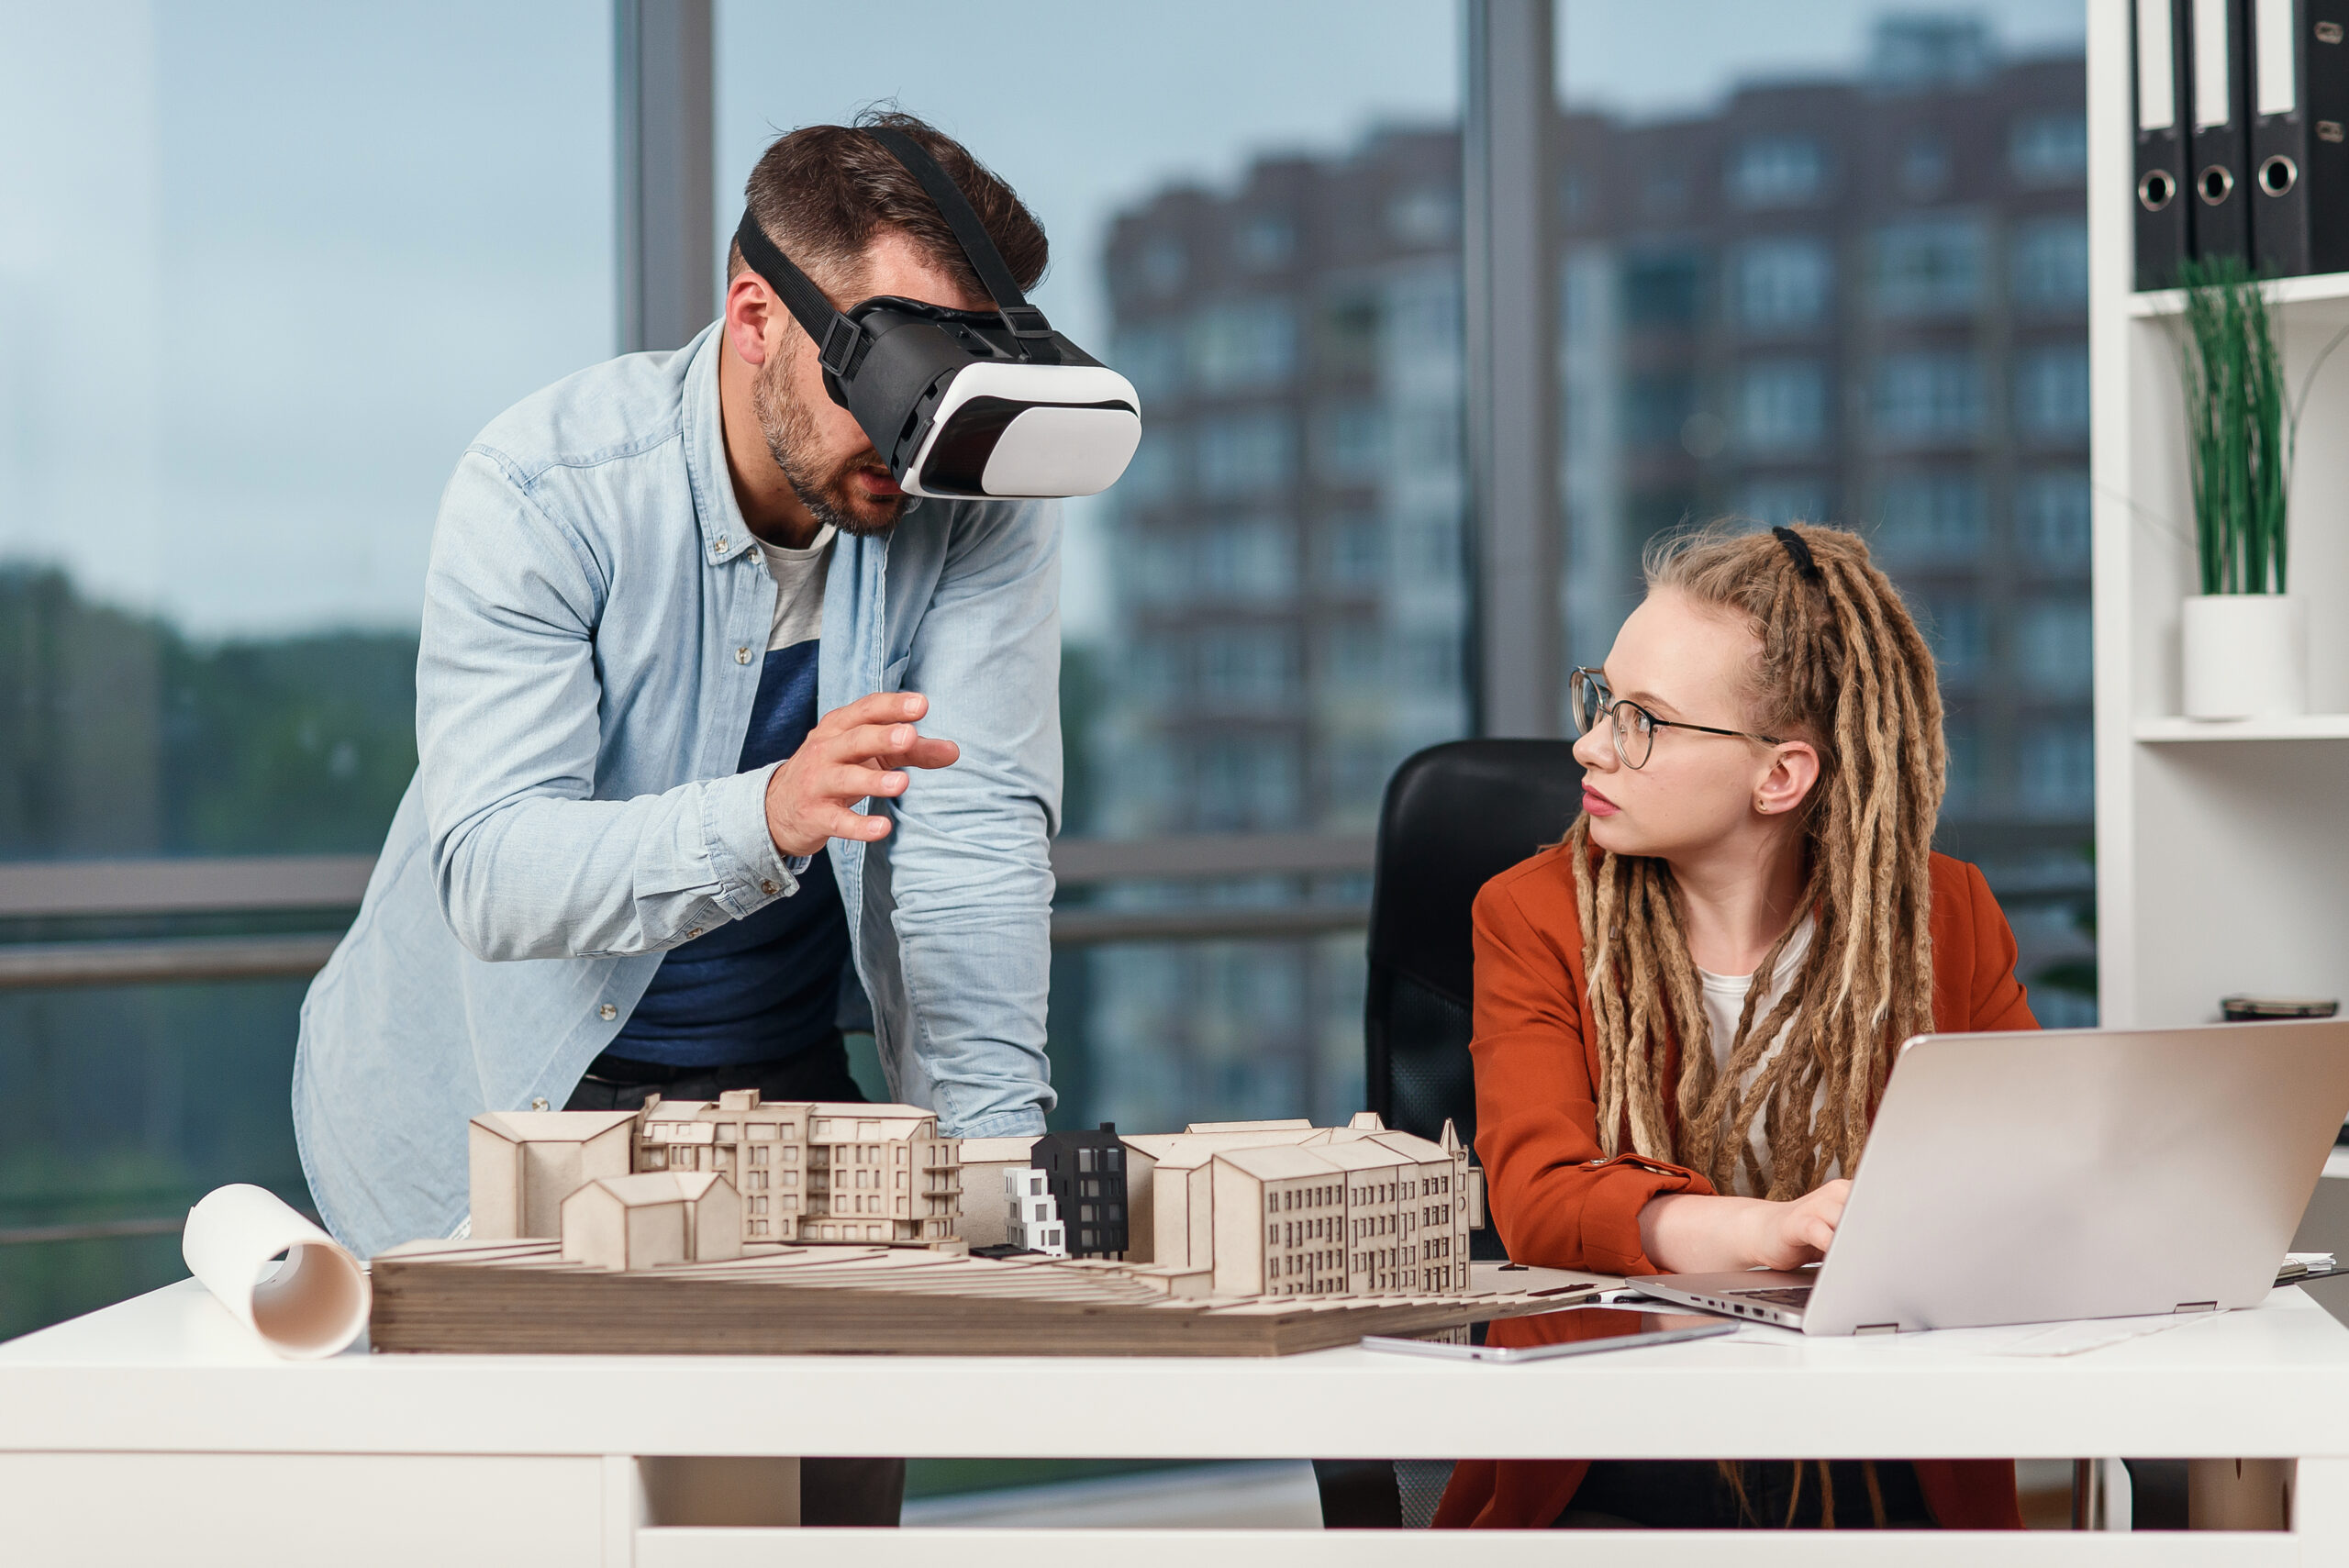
{"x": 853, "y": 752}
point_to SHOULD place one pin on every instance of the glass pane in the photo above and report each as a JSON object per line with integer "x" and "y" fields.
{"x": 1266, "y": 614}
{"x": 1823, "y": 262}
{"x": 269, "y": 270}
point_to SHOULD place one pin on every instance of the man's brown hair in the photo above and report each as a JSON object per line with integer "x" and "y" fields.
{"x": 822, "y": 192}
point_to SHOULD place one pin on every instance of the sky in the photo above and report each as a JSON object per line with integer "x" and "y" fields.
{"x": 271, "y": 266}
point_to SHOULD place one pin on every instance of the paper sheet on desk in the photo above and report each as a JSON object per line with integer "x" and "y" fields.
{"x": 314, "y": 1303}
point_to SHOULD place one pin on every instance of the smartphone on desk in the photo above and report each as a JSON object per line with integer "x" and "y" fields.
{"x": 1569, "y": 1331}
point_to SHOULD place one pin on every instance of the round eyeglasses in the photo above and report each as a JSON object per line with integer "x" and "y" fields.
{"x": 1588, "y": 700}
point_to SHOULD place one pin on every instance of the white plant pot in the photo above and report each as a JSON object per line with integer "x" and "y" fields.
{"x": 2245, "y": 655}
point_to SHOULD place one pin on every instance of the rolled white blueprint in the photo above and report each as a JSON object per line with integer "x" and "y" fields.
{"x": 314, "y": 1303}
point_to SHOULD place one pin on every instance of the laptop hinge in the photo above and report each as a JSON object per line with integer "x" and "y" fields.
{"x": 2195, "y": 1307}
{"x": 1878, "y": 1329}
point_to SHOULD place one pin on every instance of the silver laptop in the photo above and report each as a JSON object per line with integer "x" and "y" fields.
{"x": 2031, "y": 1177}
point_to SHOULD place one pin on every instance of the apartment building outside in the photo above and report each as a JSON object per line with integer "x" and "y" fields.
{"x": 1860, "y": 300}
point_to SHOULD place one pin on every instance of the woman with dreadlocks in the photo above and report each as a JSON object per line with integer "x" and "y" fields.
{"x": 1686, "y": 1011}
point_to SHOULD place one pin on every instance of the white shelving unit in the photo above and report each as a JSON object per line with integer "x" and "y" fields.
{"x": 2222, "y": 850}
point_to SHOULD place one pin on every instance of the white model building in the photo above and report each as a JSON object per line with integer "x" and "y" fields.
{"x": 645, "y": 1221}
{"x": 522, "y": 1164}
{"x": 1032, "y": 1215}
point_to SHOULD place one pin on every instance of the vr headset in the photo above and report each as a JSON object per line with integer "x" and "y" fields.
{"x": 963, "y": 403}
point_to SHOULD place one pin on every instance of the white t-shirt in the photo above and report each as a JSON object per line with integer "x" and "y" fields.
{"x": 799, "y": 589}
{"x": 1725, "y": 1000}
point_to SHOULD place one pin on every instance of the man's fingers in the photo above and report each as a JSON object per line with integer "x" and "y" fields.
{"x": 891, "y": 744}
{"x": 842, "y": 823}
{"x": 881, "y": 707}
{"x": 851, "y": 781}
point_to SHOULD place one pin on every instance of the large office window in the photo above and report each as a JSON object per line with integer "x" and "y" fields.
{"x": 1895, "y": 343}
{"x": 1266, "y": 615}
{"x": 264, "y": 270}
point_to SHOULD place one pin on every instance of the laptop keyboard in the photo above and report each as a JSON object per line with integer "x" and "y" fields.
{"x": 1777, "y": 1295}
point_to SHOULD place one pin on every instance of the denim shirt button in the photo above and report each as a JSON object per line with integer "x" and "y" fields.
{"x": 742, "y": 656}
{"x": 769, "y": 888}
{"x": 719, "y": 548}
{"x": 608, "y": 1012}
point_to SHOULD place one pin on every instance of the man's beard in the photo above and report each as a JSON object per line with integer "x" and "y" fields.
{"x": 790, "y": 432}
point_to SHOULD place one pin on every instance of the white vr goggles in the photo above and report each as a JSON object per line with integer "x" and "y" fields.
{"x": 963, "y": 403}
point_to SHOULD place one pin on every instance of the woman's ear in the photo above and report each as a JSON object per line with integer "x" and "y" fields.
{"x": 1793, "y": 771}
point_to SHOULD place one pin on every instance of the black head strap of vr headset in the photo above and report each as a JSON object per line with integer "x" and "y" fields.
{"x": 838, "y": 338}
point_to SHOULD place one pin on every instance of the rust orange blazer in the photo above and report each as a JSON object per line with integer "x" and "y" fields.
{"x": 1557, "y": 1203}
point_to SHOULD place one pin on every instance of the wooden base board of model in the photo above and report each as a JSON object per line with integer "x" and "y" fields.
{"x": 521, "y": 1297}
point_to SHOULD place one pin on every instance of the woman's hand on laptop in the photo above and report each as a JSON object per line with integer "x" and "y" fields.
{"x": 1687, "y": 1233}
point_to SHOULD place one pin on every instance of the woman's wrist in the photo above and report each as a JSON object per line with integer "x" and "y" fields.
{"x": 1695, "y": 1233}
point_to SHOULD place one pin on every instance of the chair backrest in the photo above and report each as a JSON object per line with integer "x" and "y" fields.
{"x": 1455, "y": 817}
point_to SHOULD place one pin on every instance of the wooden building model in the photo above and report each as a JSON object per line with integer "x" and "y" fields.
{"x": 802, "y": 1171}
{"x": 645, "y": 1221}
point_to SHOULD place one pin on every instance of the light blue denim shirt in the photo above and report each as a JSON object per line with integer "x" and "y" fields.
{"x": 596, "y": 615}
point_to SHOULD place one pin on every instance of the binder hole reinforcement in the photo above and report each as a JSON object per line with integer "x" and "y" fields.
{"x": 2155, "y": 191}
{"x": 2279, "y": 176}
{"x": 2217, "y": 183}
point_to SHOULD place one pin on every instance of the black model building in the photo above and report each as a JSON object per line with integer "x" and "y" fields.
{"x": 1085, "y": 1172}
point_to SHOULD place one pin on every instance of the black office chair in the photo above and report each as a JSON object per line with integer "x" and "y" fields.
{"x": 1455, "y": 817}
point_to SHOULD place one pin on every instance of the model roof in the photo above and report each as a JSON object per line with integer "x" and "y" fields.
{"x": 1276, "y": 1162}
{"x": 551, "y": 1127}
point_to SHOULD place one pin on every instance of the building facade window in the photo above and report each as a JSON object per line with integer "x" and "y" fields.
{"x": 2044, "y": 149}
{"x": 1781, "y": 284}
{"x": 2055, "y": 649}
{"x": 2051, "y": 393}
{"x": 1929, "y": 266}
{"x": 1933, "y": 516}
{"x": 1663, "y": 288}
{"x": 2056, "y": 769}
{"x": 1242, "y": 454}
{"x": 2051, "y": 264}
{"x": 2051, "y": 518}
{"x": 1244, "y": 346}
{"x": 1779, "y": 170}
{"x": 1350, "y": 442}
{"x": 1927, "y": 397}
{"x": 1958, "y": 632}
{"x": 1781, "y": 407}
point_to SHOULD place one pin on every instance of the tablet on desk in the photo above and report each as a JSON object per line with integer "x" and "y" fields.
{"x": 1570, "y": 1331}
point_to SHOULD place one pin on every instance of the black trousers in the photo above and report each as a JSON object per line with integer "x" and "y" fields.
{"x": 832, "y": 1491}
{"x": 1693, "y": 1494}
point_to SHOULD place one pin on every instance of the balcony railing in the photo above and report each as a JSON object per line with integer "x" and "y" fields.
{"x": 255, "y": 885}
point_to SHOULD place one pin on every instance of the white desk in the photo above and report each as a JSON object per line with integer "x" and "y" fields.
{"x": 157, "y": 1431}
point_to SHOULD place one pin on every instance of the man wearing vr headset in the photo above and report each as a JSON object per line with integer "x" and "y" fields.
{"x": 691, "y": 654}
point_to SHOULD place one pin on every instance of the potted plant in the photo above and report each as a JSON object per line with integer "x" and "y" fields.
{"x": 2244, "y": 638}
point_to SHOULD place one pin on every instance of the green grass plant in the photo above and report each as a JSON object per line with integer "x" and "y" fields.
{"x": 2239, "y": 433}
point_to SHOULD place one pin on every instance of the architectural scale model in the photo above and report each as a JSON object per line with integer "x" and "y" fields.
{"x": 647, "y": 1221}
{"x": 804, "y": 1170}
{"x": 1287, "y": 1208}
{"x": 1034, "y": 1222}
{"x": 1085, "y": 1172}
{"x": 485, "y": 1297}
{"x": 1265, "y": 1208}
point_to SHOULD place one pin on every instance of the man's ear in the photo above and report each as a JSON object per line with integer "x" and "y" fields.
{"x": 752, "y": 314}
{"x": 1794, "y": 772}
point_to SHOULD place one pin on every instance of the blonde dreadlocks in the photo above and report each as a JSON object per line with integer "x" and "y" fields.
{"x": 1843, "y": 666}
